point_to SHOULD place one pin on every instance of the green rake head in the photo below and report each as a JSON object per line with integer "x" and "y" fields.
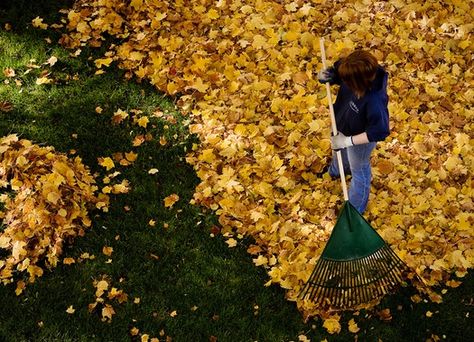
{"x": 356, "y": 266}
{"x": 352, "y": 237}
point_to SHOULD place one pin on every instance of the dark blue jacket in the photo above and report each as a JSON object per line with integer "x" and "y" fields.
{"x": 367, "y": 114}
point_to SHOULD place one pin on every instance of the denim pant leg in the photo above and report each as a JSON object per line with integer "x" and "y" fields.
{"x": 359, "y": 161}
{"x": 334, "y": 167}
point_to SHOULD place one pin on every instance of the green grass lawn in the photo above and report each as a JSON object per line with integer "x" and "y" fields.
{"x": 216, "y": 291}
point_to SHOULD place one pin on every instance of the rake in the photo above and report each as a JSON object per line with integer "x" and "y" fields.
{"x": 357, "y": 266}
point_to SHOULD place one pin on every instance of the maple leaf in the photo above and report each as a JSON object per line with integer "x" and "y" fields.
{"x": 38, "y": 23}
{"x": 20, "y": 286}
{"x": 385, "y": 314}
{"x": 101, "y": 287}
{"x": 131, "y": 156}
{"x": 52, "y": 60}
{"x": 143, "y": 121}
{"x": 261, "y": 260}
{"x": 332, "y": 324}
{"x": 106, "y": 250}
{"x": 170, "y": 200}
{"x": 5, "y": 106}
{"x": 70, "y": 310}
{"x": 107, "y": 162}
{"x": 119, "y": 116}
{"x": 231, "y": 242}
{"x": 121, "y": 188}
{"x": 353, "y": 328}
{"x": 9, "y": 72}
{"x": 107, "y": 313}
{"x": 136, "y": 4}
{"x": 68, "y": 261}
{"x": 43, "y": 80}
{"x": 138, "y": 140}
{"x": 100, "y": 62}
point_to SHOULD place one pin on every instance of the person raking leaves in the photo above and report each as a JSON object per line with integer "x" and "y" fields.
{"x": 362, "y": 118}
{"x": 357, "y": 266}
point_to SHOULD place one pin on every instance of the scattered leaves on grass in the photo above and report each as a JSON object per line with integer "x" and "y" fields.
{"x": 105, "y": 295}
{"x": 247, "y": 74}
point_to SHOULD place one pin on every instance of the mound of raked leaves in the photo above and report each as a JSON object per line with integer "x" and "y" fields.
{"x": 245, "y": 71}
{"x": 46, "y": 200}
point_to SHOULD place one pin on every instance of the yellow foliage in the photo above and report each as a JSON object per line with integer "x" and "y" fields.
{"x": 170, "y": 200}
{"x": 332, "y": 324}
{"x": 52, "y": 197}
{"x": 247, "y": 74}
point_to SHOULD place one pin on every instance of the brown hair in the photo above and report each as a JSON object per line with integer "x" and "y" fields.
{"x": 358, "y": 71}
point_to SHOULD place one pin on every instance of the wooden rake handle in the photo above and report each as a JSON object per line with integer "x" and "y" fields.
{"x": 333, "y": 124}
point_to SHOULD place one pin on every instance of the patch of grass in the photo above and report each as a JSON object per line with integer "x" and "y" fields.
{"x": 175, "y": 265}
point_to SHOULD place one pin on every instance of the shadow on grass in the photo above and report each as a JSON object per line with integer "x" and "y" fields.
{"x": 21, "y": 12}
{"x": 214, "y": 290}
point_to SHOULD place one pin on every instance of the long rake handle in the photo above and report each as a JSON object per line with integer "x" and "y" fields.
{"x": 333, "y": 124}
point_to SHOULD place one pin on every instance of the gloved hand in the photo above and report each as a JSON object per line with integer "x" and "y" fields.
{"x": 340, "y": 141}
{"x": 326, "y": 75}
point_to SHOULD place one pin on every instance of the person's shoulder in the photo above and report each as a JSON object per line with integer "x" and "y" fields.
{"x": 375, "y": 98}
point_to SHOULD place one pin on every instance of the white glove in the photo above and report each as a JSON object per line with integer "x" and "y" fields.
{"x": 340, "y": 141}
{"x": 325, "y": 75}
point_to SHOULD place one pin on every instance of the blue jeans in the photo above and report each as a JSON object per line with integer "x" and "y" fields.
{"x": 356, "y": 160}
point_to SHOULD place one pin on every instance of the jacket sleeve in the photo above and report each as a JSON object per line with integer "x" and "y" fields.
{"x": 378, "y": 127}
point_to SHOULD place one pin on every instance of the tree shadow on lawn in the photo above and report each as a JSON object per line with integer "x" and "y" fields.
{"x": 192, "y": 269}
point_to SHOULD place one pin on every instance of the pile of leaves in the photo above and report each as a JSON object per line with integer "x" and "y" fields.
{"x": 246, "y": 73}
{"x": 46, "y": 201}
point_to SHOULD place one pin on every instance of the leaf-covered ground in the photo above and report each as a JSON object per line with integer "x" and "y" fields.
{"x": 143, "y": 271}
{"x": 246, "y": 71}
